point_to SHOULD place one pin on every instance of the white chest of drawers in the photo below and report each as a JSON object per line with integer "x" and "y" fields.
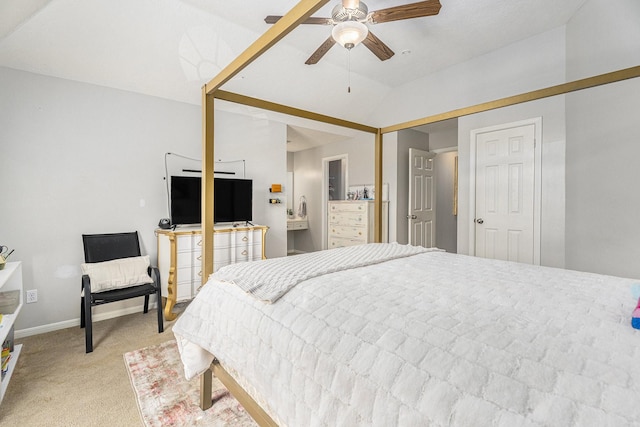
{"x": 352, "y": 223}
{"x": 180, "y": 257}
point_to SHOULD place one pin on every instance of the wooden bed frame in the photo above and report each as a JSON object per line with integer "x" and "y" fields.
{"x": 206, "y": 381}
{"x": 211, "y": 91}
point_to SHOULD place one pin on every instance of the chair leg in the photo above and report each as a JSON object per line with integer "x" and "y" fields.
{"x": 82, "y": 312}
{"x": 88, "y": 330}
{"x": 146, "y": 303}
{"x": 160, "y": 315}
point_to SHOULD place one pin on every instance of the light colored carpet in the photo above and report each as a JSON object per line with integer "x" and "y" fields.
{"x": 57, "y": 384}
{"x": 165, "y": 398}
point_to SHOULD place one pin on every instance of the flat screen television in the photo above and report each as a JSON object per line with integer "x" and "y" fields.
{"x": 233, "y": 200}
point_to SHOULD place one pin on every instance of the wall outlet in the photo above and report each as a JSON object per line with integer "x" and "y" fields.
{"x": 32, "y": 296}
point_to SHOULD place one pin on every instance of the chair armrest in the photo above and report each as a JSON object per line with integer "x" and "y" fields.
{"x": 86, "y": 284}
{"x": 154, "y": 272}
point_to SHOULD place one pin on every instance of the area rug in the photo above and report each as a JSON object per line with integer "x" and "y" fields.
{"x": 166, "y": 398}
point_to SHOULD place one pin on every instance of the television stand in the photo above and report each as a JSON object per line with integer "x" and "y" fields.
{"x": 180, "y": 257}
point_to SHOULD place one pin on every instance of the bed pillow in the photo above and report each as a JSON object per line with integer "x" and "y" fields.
{"x": 119, "y": 273}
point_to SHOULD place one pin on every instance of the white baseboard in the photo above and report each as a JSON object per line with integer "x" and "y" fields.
{"x": 76, "y": 322}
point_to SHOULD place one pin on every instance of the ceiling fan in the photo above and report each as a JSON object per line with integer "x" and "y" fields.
{"x": 348, "y": 20}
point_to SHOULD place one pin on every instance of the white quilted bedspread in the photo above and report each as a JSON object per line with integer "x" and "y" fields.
{"x": 434, "y": 339}
{"x": 272, "y": 278}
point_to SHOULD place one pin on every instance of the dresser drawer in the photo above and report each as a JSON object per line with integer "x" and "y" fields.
{"x": 338, "y": 242}
{"x": 248, "y": 253}
{"x": 188, "y": 243}
{"x": 348, "y": 219}
{"x": 237, "y": 254}
{"x": 188, "y": 259}
{"x": 222, "y": 240}
{"x": 227, "y": 239}
{"x": 348, "y": 207}
{"x": 188, "y": 274}
{"x": 185, "y": 291}
{"x": 358, "y": 233}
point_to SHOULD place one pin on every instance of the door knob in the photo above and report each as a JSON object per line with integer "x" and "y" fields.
{"x": 480, "y": 221}
{"x": 412, "y": 217}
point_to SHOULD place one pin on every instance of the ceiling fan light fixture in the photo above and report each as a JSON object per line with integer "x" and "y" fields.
{"x": 350, "y": 4}
{"x": 349, "y": 33}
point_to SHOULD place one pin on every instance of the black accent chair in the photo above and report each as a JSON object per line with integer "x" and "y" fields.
{"x": 107, "y": 247}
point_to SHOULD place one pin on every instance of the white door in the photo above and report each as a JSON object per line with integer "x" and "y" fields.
{"x": 422, "y": 199}
{"x": 505, "y": 194}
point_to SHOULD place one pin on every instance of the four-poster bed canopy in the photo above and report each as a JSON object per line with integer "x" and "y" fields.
{"x": 212, "y": 91}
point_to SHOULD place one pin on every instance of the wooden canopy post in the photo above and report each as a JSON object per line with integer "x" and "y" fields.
{"x": 377, "y": 203}
{"x": 207, "y": 184}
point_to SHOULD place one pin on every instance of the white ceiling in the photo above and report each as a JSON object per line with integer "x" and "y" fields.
{"x": 169, "y": 48}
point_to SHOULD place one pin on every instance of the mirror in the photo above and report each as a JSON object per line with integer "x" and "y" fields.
{"x": 326, "y": 162}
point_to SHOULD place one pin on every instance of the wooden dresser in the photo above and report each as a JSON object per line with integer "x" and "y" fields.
{"x": 352, "y": 223}
{"x": 180, "y": 257}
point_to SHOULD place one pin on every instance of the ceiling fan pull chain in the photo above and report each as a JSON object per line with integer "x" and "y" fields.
{"x": 349, "y": 70}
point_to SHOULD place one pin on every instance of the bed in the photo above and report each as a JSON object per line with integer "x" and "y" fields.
{"x": 422, "y": 338}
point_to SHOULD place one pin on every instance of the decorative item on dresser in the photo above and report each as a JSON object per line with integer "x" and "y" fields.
{"x": 351, "y": 223}
{"x": 180, "y": 257}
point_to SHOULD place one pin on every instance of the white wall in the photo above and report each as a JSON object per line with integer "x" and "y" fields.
{"x": 78, "y": 158}
{"x": 602, "y": 141}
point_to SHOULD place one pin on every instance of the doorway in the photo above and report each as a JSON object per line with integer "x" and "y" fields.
{"x": 335, "y": 180}
{"x": 334, "y": 186}
{"x": 505, "y": 191}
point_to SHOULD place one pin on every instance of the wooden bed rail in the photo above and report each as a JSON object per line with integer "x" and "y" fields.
{"x": 250, "y": 405}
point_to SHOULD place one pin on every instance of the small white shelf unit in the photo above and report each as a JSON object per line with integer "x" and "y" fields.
{"x": 10, "y": 280}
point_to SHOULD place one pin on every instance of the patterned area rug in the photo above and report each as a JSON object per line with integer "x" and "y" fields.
{"x": 165, "y": 398}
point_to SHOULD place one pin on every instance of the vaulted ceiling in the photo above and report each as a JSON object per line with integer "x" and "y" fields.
{"x": 169, "y": 48}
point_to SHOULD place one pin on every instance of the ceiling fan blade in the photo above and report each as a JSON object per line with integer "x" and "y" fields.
{"x": 407, "y": 11}
{"x": 272, "y": 19}
{"x": 379, "y": 49}
{"x": 321, "y": 51}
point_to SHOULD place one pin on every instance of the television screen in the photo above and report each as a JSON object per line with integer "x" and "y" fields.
{"x": 233, "y": 200}
{"x": 186, "y": 200}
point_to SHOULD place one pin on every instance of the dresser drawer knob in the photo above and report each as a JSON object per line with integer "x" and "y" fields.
{"x": 245, "y": 239}
{"x": 245, "y": 252}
